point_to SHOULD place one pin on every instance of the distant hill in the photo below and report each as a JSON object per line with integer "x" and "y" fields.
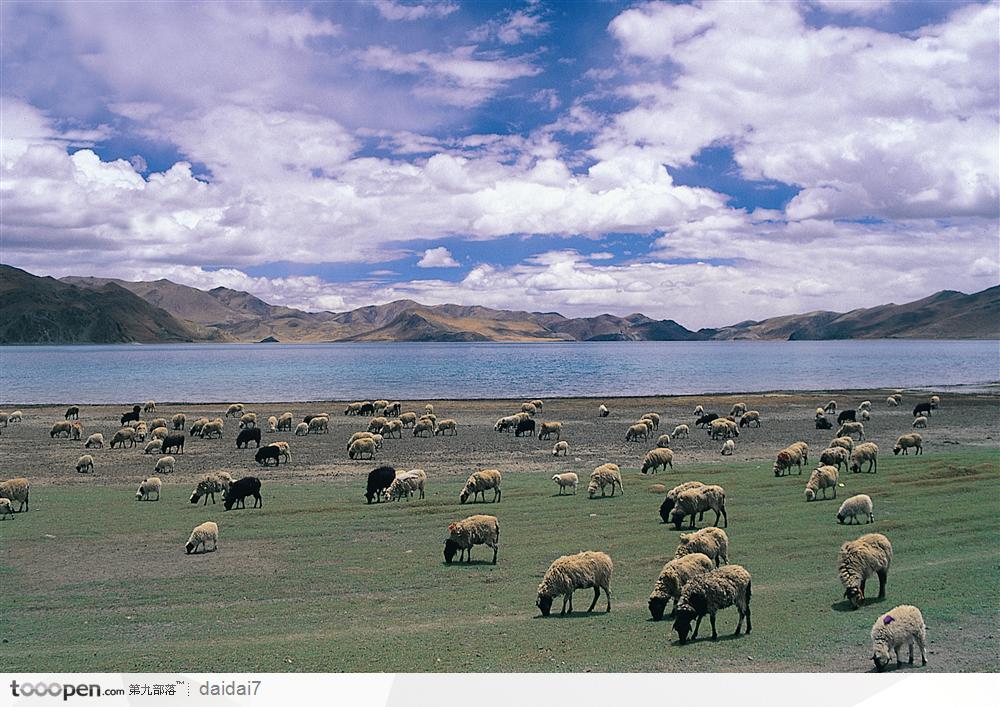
{"x": 86, "y": 309}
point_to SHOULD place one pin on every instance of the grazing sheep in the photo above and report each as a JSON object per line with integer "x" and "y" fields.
{"x": 266, "y": 453}
{"x": 867, "y": 452}
{"x": 723, "y": 428}
{"x": 635, "y": 432}
{"x": 212, "y": 429}
{"x": 830, "y": 406}
{"x": 902, "y": 626}
{"x": 845, "y": 442}
{"x": 823, "y": 424}
{"x": 393, "y": 428}
{"x": 821, "y": 479}
{"x": 4, "y": 419}
{"x": 61, "y": 429}
{"x": 393, "y": 409}
{"x": 235, "y": 410}
{"x": 85, "y": 464}
{"x": 935, "y": 402}
{"x": 787, "y": 458}
{"x": 526, "y": 428}
{"x": 674, "y": 575}
{"x": 148, "y": 487}
{"x": 865, "y": 405}
{"x": 668, "y": 503}
{"x": 359, "y": 435}
{"x": 445, "y": 425}
{"x": 246, "y": 436}
{"x": 663, "y": 441}
{"x": 892, "y": 401}
{"x": 379, "y": 480}
{"x": 173, "y": 443}
{"x": 407, "y": 484}
{"x": 15, "y": 416}
{"x": 149, "y": 406}
{"x": 920, "y": 422}
{"x": 603, "y": 476}
{"x": 76, "y": 431}
{"x": 539, "y": 404}
{"x": 859, "y": 559}
{"x": 922, "y": 409}
{"x": 661, "y": 457}
{"x": 197, "y": 426}
{"x": 803, "y": 450}
{"x": 697, "y": 500}
{"x": 705, "y": 420}
{"x": 377, "y": 424}
{"x": 319, "y": 425}
{"x": 238, "y": 491}
{"x": 547, "y": 429}
{"x": 423, "y": 425}
{"x": 561, "y": 446}
{"x": 529, "y": 408}
{"x": 158, "y": 433}
{"x": 201, "y": 535}
{"x": 157, "y": 422}
{"x": 566, "y": 480}
{"x": 820, "y": 412}
{"x": 302, "y": 429}
{"x": 210, "y": 485}
{"x": 506, "y": 424}
{"x": 849, "y": 429}
{"x": 571, "y": 572}
{"x": 178, "y": 421}
{"x": 125, "y": 434}
{"x": 140, "y": 431}
{"x": 153, "y": 445}
{"x": 680, "y": 431}
{"x": 283, "y": 449}
{"x": 409, "y": 419}
{"x": 474, "y": 530}
{"x": 603, "y": 410}
{"x": 95, "y": 440}
{"x": 654, "y": 418}
{"x": 428, "y": 409}
{"x": 380, "y": 406}
{"x": 285, "y": 422}
{"x": 699, "y": 411}
{"x": 906, "y": 442}
{"x": 479, "y": 483}
{"x": 738, "y": 409}
{"x": 728, "y": 448}
{"x": 707, "y": 594}
{"x": 6, "y": 508}
{"x": 72, "y": 413}
{"x": 865, "y": 416}
{"x": 130, "y": 416}
{"x": 272, "y": 424}
{"x": 353, "y": 409}
{"x": 855, "y": 506}
{"x": 360, "y": 447}
{"x": 835, "y": 456}
{"x": 711, "y": 541}
{"x": 165, "y": 465}
{"x": 16, "y": 490}
{"x": 847, "y": 416}
{"x": 750, "y": 417}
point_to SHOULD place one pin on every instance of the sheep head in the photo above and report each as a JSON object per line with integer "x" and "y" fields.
{"x": 657, "y": 605}
{"x": 450, "y": 548}
{"x": 544, "y": 604}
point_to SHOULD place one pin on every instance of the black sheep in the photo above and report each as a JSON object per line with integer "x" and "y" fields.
{"x": 525, "y": 427}
{"x": 72, "y": 413}
{"x": 922, "y": 409}
{"x": 246, "y": 436}
{"x": 367, "y": 409}
{"x": 378, "y": 481}
{"x": 706, "y": 420}
{"x": 309, "y": 418}
{"x": 265, "y": 454}
{"x": 847, "y": 415}
{"x": 173, "y": 442}
{"x": 239, "y": 490}
{"x": 131, "y": 416}
{"x": 823, "y": 424}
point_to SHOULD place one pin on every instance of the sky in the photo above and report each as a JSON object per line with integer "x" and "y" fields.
{"x": 708, "y": 162}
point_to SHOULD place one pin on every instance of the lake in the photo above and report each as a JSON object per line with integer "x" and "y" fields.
{"x": 126, "y": 373}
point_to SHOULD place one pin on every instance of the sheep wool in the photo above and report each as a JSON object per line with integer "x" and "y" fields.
{"x": 474, "y": 530}
{"x": 859, "y": 559}
{"x": 707, "y": 594}
{"x": 659, "y": 458}
{"x": 603, "y": 476}
{"x": 866, "y": 452}
{"x": 671, "y": 500}
{"x": 17, "y": 491}
{"x": 571, "y": 572}
{"x": 164, "y": 465}
{"x": 201, "y": 536}
{"x": 560, "y": 447}
{"x": 859, "y": 505}
{"x": 907, "y": 442}
{"x": 835, "y": 456}
{"x": 565, "y": 481}
{"x": 147, "y": 488}
{"x": 902, "y": 626}
{"x": 674, "y": 575}
{"x": 712, "y": 542}
{"x": 6, "y": 508}
{"x": 407, "y": 484}
{"x": 696, "y": 501}
{"x": 84, "y": 464}
{"x": 821, "y": 479}
{"x": 920, "y": 422}
{"x": 680, "y": 431}
{"x": 95, "y": 440}
{"x": 479, "y": 483}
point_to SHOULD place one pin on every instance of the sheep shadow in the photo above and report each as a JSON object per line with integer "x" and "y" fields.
{"x": 893, "y": 668}
{"x": 728, "y": 636}
{"x": 576, "y": 614}
{"x": 463, "y": 563}
{"x": 844, "y": 606}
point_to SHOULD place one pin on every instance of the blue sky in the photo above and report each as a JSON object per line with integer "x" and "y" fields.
{"x": 582, "y": 157}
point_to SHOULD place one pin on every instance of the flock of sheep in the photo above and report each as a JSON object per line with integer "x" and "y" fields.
{"x": 699, "y": 581}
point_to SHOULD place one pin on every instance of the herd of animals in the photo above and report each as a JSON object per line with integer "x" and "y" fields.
{"x": 699, "y": 581}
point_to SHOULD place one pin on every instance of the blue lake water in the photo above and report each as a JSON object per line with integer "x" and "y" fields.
{"x": 302, "y": 372}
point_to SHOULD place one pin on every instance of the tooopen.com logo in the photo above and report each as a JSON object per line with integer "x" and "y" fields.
{"x": 55, "y": 689}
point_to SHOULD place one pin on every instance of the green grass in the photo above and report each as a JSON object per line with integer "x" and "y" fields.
{"x": 318, "y": 581}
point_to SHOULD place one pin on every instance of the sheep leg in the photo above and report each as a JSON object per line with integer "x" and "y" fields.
{"x": 899, "y": 660}
{"x": 567, "y": 598}
{"x": 597, "y": 594}
{"x": 607, "y": 594}
{"x": 697, "y": 625}
{"x": 496, "y": 549}
{"x": 739, "y": 624}
{"x": 910, "y": 645}
{"x": 923, "y": 652}
{"x": 711, "y": 618}
{"x": 883, "y": 575}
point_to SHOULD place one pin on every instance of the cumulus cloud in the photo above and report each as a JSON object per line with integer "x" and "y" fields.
{"x": 437, "y": 258}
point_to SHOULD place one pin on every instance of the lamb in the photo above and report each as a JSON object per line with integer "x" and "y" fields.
{"x": 920, "y": 422}
{"x": 379, "y": 480}
{"x": 407, "y": 483}
{"x": 845, "y": 442}
{"x": 905, "y": 442}
{"x": 409, "y": 419}
{"x": 246, "y": 436}
{"x": 547, "y": 429}
{"x": 479, "y": 483}
{"x": 603, "y": 476}
{"x": 6, "y": 508}
{"x": 285, "y": 422}
{"x": 72, "y": 413}
{"x": 697, "y": 500}
{"x": 360, "y": 447}
{"x": 661, "y": 457}
{"x": 16, "y": 490}
{"x": 526, "y": 428}
{"x": 95, "y": 440}
{"x": 787, "y": 458}
{"x": 738, "y": 409}
{"x": 859, "y": 559}
{"x": 707, "y": 594}
{"x": 320, "y": 425}
{"x": 821, "y": 479}
{"x": 235, "y": 410}
{"x": 130, "y": 416}
{"x": 445, "y": 425}
{"x": 238, "y": 491}
{"x": 211, "y": 429}
{"x": 272, "y": 424}
{"x": 851, "y": 428}
{"x": 654, "y": 417}
{"x": 892, "y": 402}
{"x": 823, "y": 424}
{"x": 200, "y": 537}
{"x": 566, "y": 480}
{"x": 728, "y": 448}
{"x": 901, "y": 626}
{"x": 830, "y": 406}
{"x": 674, "y": 575}
{"x": 603, "y": 410}
{"x": 62, "y": 429}
{"x": 663, "y": 441}
{"x": 855, "y": 506}
{"x": 149, "y": 406}
{"x": 84, "y": 464}
{"x": 670, "y": 501}
{"x": 636, "y": 431}
{"x": 867, "y": 452}
{"x": 422, "y": 426}
{"x": 178, "y": 421}
{"x": 210, "y": 485}
{"x": 153, "y": 445}
{"x": 302, "y": 429}
{"x": 147, "y": 488}
{"x": 197, "y": 426}
{"x": 165, "y": 465}
{"x": 283, "y": 449}
{"x": 835, "y": 456}
{"x": 752, "y": 416}
{"x": 561, "y": 446}
{"x": 699, "y": 411}
{"x": 711, "y": 541}
{"x": 125, "y": 434}
{"x": 680, "y": 431}
{"x": 922, "y": 409}
{"x": 173, "y": 443}
{"x": 266, "y": 453}
{"x": 571, "y": 572}
{"x": 393, "y": 409}
{"x": 474, "y": 530}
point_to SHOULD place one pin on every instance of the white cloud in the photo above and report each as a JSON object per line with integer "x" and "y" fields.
{"x": 392, "y": 10}
{"x": 862, "y": 8}
{"x": 513, "y": 27}
{"x": 437, "y": 258}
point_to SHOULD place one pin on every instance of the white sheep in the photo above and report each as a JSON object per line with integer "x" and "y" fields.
{"x": 821, "y": 479}
{"x": 319, "y": 425}
{"x": 660, "y": 457}
{"x": 547, "y": 429}
{"x": 859, "y": 505}
{"x": 571, "y": 572}
{"x": 360, "y": 447}
{"x": 902, "y": 626}
{"x": 707, "y": 594}
{"x": 153, "y": 445}
{"x": 699, "y": 411}
{"x": 407, "y": 484}
{"x": 866, "y": 405}
{"x": 892, "y": 402}
{"x": 211, "y": 429}
{"x": 147, "y": 488}
{"x": 479, "y": 483}
{"x": 859, "y": 559}
{"x": 845, "y": 442}
{"x": 906, "y": 442}
{"x": 164, "y": 465}
{"x": 751, "y": 417}
{"x": 409, "y": 419}
{"x": 162, "y": 432}
{"x": 695, "y": 501}
{"x": 738, "y": 409}
{"x": 423, "y": 425}
{"x": 603, "y": 476}
{"x": 787, "y": 458}
{"x": 125, "y": 434}
{"x": 393, "y": 428}
{"x": 235, "y": 410}
{"x": 866, "y": 452}
{"x": 284, "y": 449}
{"x": 446, "y": 425}
{"x": 560, "y": 447}
{"x": 149, "y": 406}
{"x": 474, "y": 530}
{"x": 711, "y": 541}
{"x": 565, "y": 481}
{"x": 663, "y": 441}
{"x": 728, "y": 448}
{"x": 16, "y": 490}
{"x": 428, "y": 409}
{"x": 301, "y": 429}
{"x": 830, "y": 406}
{"x": 865, "y": 416}
{"x": 680, "y": 431}
{"x": 654, "y": 418}
{"x": 603, "y": 410}
{"x": 85, "y": 464}
{"x": 849, "y": 429}
{"x": 15, "y": 416}
{"x": 636, "y": 431}
{"x": 6, "y": 508}
{"x": 285, "y": 421}
{"x": 672, "y": 578}
{"x": 920, "y": 422}
{"x": 76, "y": 431}
{"x": 835, "y": 456}
{"x": 179, "y": 421}
{"x": 272, "y": 424}
{"x": 95, "y": 440}
{"x": 201, "y": 535}
{"x": 935, "y": 402}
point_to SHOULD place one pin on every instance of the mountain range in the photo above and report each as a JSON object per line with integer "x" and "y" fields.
{"x": 95, "y": 310}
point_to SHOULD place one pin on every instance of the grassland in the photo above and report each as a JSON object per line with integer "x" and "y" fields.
{"x": 318, "y": 581}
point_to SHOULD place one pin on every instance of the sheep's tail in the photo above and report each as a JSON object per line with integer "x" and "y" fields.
{"x": 749, "y": 592}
